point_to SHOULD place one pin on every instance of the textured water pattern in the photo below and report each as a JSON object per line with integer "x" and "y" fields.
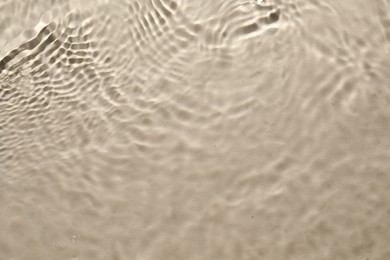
{"x": 203, "y": 129}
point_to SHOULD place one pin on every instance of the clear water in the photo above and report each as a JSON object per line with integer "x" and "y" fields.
{"x": 161, "y": 129}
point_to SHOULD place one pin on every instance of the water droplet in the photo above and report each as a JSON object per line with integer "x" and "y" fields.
{"x": 74, "y": 239}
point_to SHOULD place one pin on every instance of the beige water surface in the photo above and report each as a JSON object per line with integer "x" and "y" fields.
{"x": 194, "y": 130}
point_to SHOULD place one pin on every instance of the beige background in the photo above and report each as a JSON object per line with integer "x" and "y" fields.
{"x": 207, "y": 130}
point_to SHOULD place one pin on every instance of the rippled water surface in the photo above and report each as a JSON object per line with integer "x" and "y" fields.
{"x": 204, "y": 129}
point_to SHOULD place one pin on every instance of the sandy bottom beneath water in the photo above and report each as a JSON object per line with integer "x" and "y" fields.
{"x": 196, "y": 130}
